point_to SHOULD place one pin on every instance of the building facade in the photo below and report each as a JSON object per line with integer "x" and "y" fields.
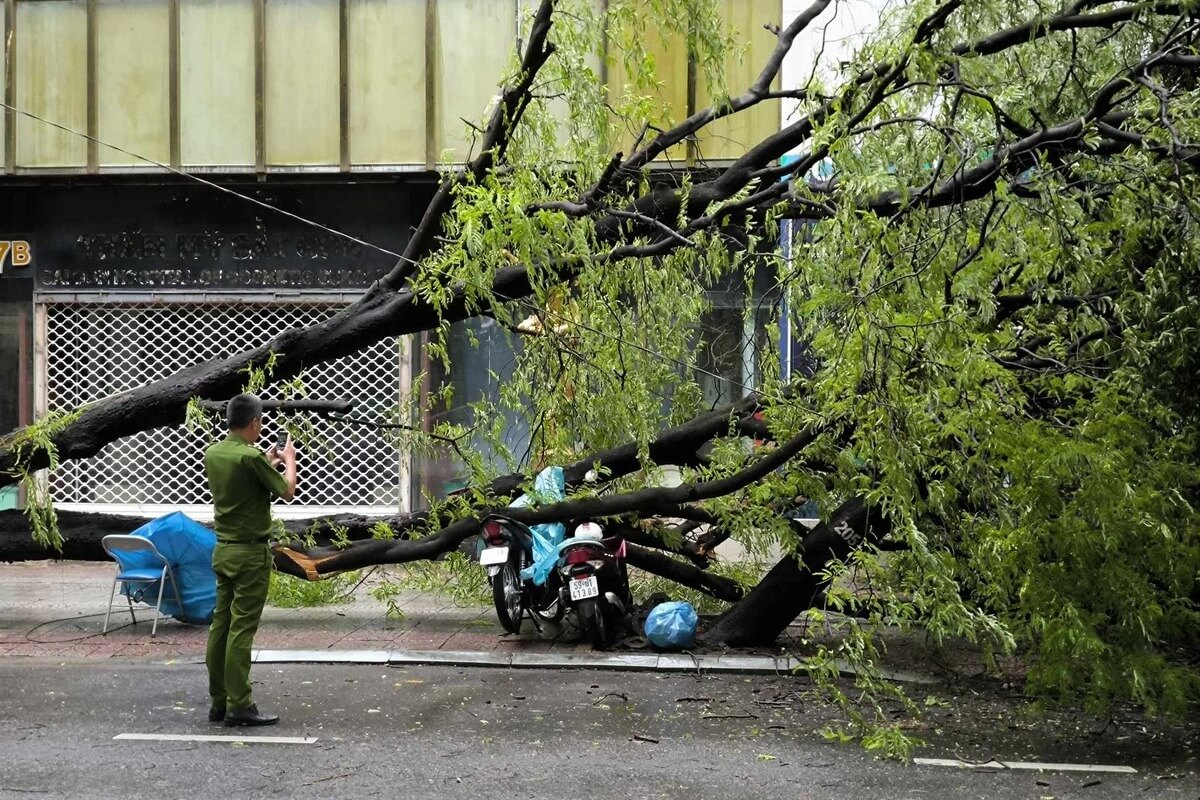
{"x": 119, "y": 267}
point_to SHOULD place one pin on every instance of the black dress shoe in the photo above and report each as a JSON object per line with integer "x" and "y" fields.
{"x": 216, "y": 713}
{"x": 237, "y": 717}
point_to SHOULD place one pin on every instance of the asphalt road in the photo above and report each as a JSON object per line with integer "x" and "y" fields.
{"x": 436, "y": 732}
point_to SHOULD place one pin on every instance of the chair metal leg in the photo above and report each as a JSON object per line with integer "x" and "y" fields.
{"x": 111, "y": 596}
{"x": 162, "y": 584}
{"x": 178, "y": 596}
{"x": 130, "y": 599}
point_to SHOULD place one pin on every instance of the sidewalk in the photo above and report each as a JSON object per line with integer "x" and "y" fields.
{"x": 56, "y": 609}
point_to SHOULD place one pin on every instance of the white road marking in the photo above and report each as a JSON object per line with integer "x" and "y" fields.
{"x": 176, "y": 737}
{"x": 1035, "y": 765}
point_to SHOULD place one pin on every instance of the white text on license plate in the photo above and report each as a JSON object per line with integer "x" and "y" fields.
{"x": 493, "y": 555}
{"x": 583, "y": 588}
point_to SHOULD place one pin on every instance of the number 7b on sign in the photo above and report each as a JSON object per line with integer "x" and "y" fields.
{"x": 15, "y": 252}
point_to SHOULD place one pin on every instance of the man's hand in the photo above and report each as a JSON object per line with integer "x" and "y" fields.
{"x": 288, "y": 458}
{"x": 273, "y": 456}
{"x": 288, "y": 455}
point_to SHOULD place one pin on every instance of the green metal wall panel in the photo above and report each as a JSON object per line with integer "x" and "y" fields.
{"x": 475, "y": 41}
{"x": 387, "y": 81}
{"x": 302, "y": 99}
{"x": 132, "y": 85}
{"x": 51, "y": 78}
{"x": 216, "y": 82}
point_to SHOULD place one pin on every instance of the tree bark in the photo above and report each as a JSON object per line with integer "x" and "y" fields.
{"x": 81, "y": 536}
{"x": 794, "y": 584}
{"x": 684, "y": 574}
{"x": 83, "y": 532}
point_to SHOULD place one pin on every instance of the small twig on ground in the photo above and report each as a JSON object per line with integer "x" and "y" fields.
{"x": 602, "y": 698}
{"x": 637, "y": 737}
{"x": 327, "y": 778}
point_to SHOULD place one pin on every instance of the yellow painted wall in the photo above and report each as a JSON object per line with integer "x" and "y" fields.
{"x": 669, "y": 100}
{"x": 730, "y": 138}
{"x": 4, "y": 116}
{"x": 721, "y": 139}
{"x": 3, "y": 87}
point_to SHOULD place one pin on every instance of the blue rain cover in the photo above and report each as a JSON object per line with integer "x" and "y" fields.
{"x": 548, "y": 487}
{"x": 188, "y": 546}
{"x": 671, "y": 626}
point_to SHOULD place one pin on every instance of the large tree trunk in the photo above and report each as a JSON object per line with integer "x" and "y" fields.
{"x": 676, "y": 446}
{"x": 81, "y": 536}
{"x": 794, "y": 584}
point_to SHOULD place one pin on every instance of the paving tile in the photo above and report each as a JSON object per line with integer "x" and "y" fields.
{"x": 69, "y": 595}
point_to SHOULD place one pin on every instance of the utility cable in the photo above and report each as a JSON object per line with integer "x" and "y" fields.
{"x": 29, "y": 633}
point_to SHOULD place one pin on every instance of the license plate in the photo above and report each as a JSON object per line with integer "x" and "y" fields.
{"x": 583, "y": 588}
{"x": 493, "y": 556}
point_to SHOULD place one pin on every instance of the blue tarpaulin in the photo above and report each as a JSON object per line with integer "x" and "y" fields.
{"x": 550, "y": 486}
{"x": 188, "y": 546}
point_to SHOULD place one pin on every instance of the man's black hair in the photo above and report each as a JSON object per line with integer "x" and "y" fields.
{"x": 242, "y": 410}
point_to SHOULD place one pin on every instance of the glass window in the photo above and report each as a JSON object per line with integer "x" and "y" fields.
{"x": 731, "y": 346}
{"x": 482, "y": 358}
{"x": 51, "y": 66}
{"x": 216, "y": 82}
{"x": 302, "y": 83}
{"x": 132, "y": 80}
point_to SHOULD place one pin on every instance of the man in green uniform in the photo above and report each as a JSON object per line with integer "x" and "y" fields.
{"x": 243, "y": 482}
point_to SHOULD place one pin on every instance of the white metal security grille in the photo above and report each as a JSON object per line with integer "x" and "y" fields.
{"x": 94, "y": 350}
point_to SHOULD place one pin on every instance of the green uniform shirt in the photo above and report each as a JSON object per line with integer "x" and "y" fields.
{"x": 243, "y": 484}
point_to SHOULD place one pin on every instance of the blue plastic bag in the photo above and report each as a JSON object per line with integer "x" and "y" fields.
{"x": 549, "y": 486}
{"x": 672, "y": 626}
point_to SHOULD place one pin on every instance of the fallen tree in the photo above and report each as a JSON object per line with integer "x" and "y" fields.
{"x": 995, "y": 289}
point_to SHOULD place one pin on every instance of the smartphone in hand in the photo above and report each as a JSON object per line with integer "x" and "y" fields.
{"x": 281, "y": 440}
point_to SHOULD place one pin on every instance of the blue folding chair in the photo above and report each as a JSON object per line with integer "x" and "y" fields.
{"x": 139, "y": 563}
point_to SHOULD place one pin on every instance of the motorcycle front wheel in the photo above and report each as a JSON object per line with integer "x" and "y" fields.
{"x": 591, "y": 617}
{"x": 507, "y": 595}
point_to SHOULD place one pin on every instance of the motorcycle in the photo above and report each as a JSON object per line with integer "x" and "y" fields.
{"x": 595, "y": 582}
{"x": 507, "y": 550}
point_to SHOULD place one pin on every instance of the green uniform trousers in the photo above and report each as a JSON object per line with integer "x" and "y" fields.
{"x": 243, "y": 575}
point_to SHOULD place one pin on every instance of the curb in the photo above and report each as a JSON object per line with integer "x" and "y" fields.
{"x": 650, "y": 662}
